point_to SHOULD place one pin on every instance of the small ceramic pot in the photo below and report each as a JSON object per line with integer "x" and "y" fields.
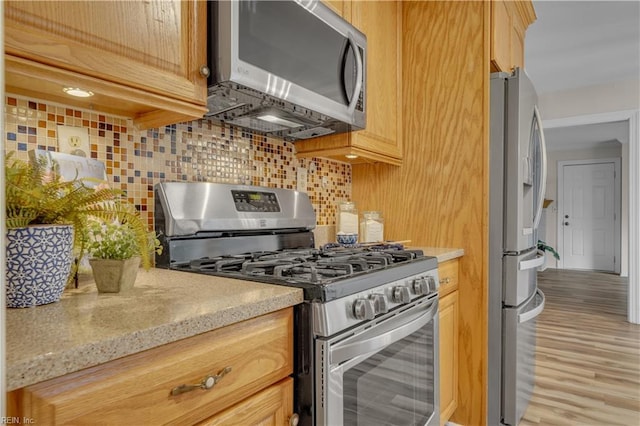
{"x": 114, "y": 275}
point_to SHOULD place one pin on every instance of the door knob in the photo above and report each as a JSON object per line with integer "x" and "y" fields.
{"x": 566, "y": 224}
{"x": 566, "y": 216}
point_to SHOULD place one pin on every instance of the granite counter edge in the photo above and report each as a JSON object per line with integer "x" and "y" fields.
{"x": 41, "y": 368}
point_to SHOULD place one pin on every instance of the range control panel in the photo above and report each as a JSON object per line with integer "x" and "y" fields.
{"x": 254, "y": 201}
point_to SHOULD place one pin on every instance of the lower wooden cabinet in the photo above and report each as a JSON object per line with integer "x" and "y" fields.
{"x": 448, "y": 274}
{"x": 253, "y": 359}
{"x": 273, "y": 406}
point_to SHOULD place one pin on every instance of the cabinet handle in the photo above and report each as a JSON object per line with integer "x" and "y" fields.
{"x": 445, "y": 280}
{"x": 294, "y": 419}
{"x": 207, "y": 383}
{"x": 205, "y": 71}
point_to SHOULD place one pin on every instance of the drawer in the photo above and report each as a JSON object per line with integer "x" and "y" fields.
{"x": 270, "y": 407}
{"x": 137, "y": 389}
{"x": 448, "y": 275}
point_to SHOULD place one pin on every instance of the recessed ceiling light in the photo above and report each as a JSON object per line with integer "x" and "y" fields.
{"x": 351, "y": 156}
{"x": 75, "y": 91}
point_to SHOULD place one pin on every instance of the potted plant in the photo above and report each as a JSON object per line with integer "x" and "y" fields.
{"x": 543, "y": 247}
{"x": 116, "y": 249}
{"x": 46, "y": 220}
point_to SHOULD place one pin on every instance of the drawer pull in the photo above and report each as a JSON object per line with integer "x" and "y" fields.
{"x": 445, "y": 280}
{"x": 206, "y": 383}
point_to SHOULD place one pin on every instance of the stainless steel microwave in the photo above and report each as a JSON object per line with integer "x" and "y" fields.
{"x": 293, "y": 69}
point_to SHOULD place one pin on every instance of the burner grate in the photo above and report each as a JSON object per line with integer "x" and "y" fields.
{"x": 316, "y": 266}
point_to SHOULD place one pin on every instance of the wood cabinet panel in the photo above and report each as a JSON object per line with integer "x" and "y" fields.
{"x": 137, "y": 388}
{"x": 448, "y": 276}
{"x": 448, "y": 356}
{"x": 381, "y": 141}
{"x": 154, "y": 48}
{"x": 271, "y": 407}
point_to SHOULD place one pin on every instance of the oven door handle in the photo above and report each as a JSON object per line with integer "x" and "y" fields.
{"x": 373, "y": 344}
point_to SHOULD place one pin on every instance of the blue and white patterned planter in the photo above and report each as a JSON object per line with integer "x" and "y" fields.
{"x": 38, "y": 264}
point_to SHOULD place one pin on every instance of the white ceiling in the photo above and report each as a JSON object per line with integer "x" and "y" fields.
{"x": 583, "y": 43}
{"x": 576, "y": 44}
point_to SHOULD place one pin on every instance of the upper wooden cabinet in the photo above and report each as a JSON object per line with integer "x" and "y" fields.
{"x": 337, "y": 6}
{"x": 509, "y": 21}
{"x": 142, "y": 59}
{"x": 381, "y": 141}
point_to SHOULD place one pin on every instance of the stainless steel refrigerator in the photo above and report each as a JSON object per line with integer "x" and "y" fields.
{"x": 516, "y": 193}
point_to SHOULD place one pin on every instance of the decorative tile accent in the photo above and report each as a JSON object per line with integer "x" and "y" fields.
{"x": 197, "y": 151}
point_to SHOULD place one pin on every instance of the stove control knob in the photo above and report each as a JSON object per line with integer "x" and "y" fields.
{"x": 380, "y": 304}
{"x": 401, "y": 294}
{"x": 433, "y": 284}
{"x": 420, "y": 286}
{"x": 363, "y": 309}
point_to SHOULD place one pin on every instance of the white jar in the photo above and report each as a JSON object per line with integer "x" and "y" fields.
{"x": 371, "y": 227}
{"x": 347, "y": 218}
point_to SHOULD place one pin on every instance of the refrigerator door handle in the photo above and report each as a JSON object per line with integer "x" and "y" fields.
{"x": 533, "y": 263}
{"x": 543, "y": 168}
{"x": 529, "y": 315}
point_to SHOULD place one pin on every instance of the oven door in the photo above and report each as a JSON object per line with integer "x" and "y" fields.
{"x": 385, "y": 372}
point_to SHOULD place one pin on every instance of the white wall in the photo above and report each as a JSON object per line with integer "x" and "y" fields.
{"x": 551, "y": 228}
{"x": 619, "y": 96}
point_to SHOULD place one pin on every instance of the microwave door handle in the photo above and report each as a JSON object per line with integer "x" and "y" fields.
{"x": 543, "y": 169}
{"x": 358, "y": 88}
{"x": 374, "y": 344}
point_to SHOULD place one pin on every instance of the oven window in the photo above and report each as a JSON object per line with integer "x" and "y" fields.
{"x": 393, "y": 386}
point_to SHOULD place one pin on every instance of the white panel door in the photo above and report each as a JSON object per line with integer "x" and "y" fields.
{"x": 588, "y": 216}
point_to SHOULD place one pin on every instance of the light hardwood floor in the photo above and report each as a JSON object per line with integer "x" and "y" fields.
{"x": 588, "y": 355}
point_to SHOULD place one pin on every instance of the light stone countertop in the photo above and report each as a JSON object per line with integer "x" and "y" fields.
{"x": 443, "y": 254}
{"x": 86, "y": 328}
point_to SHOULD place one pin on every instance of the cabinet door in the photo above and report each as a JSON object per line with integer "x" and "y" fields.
{"x": 381, "y": 22}
{"x": 448, "y": 275}
{"x": 501, "y": 25}
{"x": 448, "y": 356}
{"x": 509, "y": 21}
{"x": 271, "y": 407}
{"x": 153, "y": 48}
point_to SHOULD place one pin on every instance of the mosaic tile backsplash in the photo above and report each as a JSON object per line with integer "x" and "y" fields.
{"x": 197, "y": 151}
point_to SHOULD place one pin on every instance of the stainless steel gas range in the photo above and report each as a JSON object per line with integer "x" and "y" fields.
{"x": 366, "y": 337}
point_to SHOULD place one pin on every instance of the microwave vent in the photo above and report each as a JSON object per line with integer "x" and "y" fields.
{"x": 312, "y": 133}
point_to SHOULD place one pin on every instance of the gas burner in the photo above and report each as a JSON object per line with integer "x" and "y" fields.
{"x": 284, "y": 254}
{"x": 315, "y": 273}
{"x": 219, "y": 264}
{"x": 370, "y": 247}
